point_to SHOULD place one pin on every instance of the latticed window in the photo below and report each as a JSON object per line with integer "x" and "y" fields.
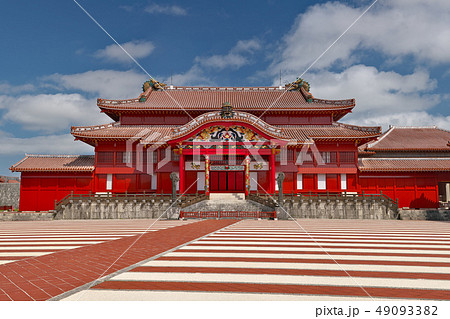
{"x": 105, "y": 157}
{"x": 227, "y": 159}
{"x": 347, "y": 157}
{"x": 290, "y": 155}
{"x": 162, "y": 153}
{"x": 329, "y": 157}
{"x": 175, "y": 157}
{"x": 152, "y": 156}
{"x": 306, "y": 157}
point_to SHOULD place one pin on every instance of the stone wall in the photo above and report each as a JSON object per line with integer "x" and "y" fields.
{"x": 11, "y": 216}
{"x": 104, "y": 208}
{"x": 9, "y": 194}
{"x": 425, "y": 214}
{"x": 336, "y": 209}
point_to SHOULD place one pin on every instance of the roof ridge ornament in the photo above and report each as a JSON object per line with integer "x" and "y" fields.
{"x": 155, "y": 85}
{"x": 227, "y": 111}
{"x": 298, "y": 85}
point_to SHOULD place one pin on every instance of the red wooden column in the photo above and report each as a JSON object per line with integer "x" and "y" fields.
{"x": 247, "y": 176}
{"x": 181, "y": 172}
{"x": 272, "y": 172}
{"x": 207, "y": 175}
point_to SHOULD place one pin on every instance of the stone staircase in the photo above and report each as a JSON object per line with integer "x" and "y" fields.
{"x": 227, "y": 202}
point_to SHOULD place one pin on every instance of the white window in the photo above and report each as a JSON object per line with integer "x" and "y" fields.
{"x": 299, "y": 181}
{"x": 200, "y": 181}
{"x": 343, "y": 181}
{"x": 253, "y": 181}
{"x": 321, "y": 181}
{"x": 109, "y": 182}
{"x": 154, "y": 181}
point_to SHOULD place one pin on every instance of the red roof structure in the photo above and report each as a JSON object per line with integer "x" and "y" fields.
{"x": 297, "y": 133}
{"x": 55, "y": 163}
{"x": 249, "y": 99}
{"x": 404, "y": 164}
{"x": 407, "y": 139}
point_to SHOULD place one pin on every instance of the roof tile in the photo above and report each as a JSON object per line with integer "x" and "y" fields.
{"x": 55, "y": 163}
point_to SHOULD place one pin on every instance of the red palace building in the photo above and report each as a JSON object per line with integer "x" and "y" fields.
{"x": 237, "y": 139}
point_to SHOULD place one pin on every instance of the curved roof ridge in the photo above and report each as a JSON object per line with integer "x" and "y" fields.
{"x": 58, "y": 155}
{"x": 414, "y": 127}
{"x": 239, "y": 116}
{"x": 380, "y": 138}
{"x": 93, "y": 127}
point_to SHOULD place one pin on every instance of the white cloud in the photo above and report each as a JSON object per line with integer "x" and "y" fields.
{"x": 137, "y": 49}
{"x": 166, "y": 9}
{"x": 220, "y": 62}
{"x": 6, "y": 88}
{"x": 401, "y": 119}
{"x": 108, "y": 84}
{"x": 396, "y": 28}
{"x": 195, "y": 76}
{"x": 382, "y": 98}
{"x": 48, "y": 144}
{"x": 376, "y": 91}
{"x": 51, "y": 112}
{"x": 235, "y": 58}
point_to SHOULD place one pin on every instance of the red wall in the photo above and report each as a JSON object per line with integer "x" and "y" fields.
{"x": 38, "y": 191}
{"x": 413, "y": 190}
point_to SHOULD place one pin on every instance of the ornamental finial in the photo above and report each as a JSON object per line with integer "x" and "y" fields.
{"x": 155, "y": 85}
{"x": 227, "y": 111}
{"x": 297, "y": 84}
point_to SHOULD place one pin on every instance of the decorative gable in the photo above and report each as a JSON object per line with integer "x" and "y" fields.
{"x": 227, "y": 134}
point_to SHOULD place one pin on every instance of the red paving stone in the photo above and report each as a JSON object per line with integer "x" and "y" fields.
{"x": 30, "y": 279}
{"x": 276, "y": 289}
{"x": 294, "y": 272}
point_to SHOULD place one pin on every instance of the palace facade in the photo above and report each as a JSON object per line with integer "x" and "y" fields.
{"x": 238, "y": 139}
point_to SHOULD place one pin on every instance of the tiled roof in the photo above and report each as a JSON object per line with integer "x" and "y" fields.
{"x": 402, "y": 139}
{"x": 335, "y": 131}
{"x": 115, "y": 130}
{"x": 55, "y": 163}
{"x": 212, "y": 98}
{"x": 152, "y": 134}
{"x": 403, "y": 164}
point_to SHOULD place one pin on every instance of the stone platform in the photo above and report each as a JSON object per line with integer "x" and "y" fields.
{"x": 227, "y": 202}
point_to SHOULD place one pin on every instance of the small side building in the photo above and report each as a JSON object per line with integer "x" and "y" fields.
{"x": 49, "y": 178}
{"x": 411, "y": 164}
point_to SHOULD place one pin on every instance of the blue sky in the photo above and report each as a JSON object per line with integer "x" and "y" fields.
{"x": 55, "y": 61}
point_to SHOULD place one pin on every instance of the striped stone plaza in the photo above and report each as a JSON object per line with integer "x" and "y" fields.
{"x": 302, "y": 260}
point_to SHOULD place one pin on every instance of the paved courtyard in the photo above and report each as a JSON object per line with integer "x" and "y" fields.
{"x": 225, "y": 260}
